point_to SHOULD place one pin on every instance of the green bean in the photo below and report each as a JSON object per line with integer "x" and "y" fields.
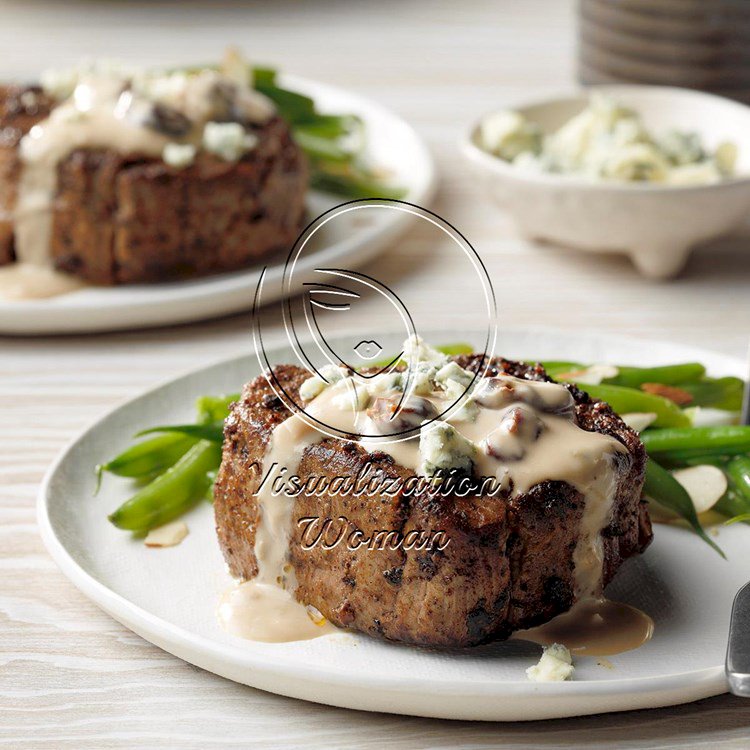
{"x": 263, "y": 76}
{"x": 661, "y": 487}
{"x": 634, "y": 377}
{"x": 148, "y": 457}
{"x": 719, "y": 393}
{"x": 334, "y": 167}
{"x": 678, "y": 459}
{"x": 215, "y": 408}
{"x": 732, "y": 505}
{"x": 332, "y": 126}
{"x": 172, "y": 493}
{"x": 317, "y": 147}
{"x": 350, "y": 184}
{"x": 555, "y": 368}
{"x": 738, "y": 471}
{"x": 453, "y": 350}
{"x": 626, "y": 400}
{"x": 293, "y": 107}
{"x": 213, "y": 432}
{"x": 736, "y": 500}
{"x": 211, "y": 479}
{"x": 686, "y": 441}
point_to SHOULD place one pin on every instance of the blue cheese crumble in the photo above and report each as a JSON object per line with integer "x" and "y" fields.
{"x": 228, "y": 140}
{"x": 443, "y": 448}
{"x": 556, "y": 665}
{"x": 314, "y": 386}
{"x": 608, "y": 141}
{"x": 179, "y": 155}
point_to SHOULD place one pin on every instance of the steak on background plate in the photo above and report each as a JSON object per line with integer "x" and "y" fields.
{"x": 128, "y": 219}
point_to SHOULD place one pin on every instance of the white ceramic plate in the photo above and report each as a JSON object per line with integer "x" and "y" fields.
{"x": 169, "y": 596}
{"x": 392, "y": 145}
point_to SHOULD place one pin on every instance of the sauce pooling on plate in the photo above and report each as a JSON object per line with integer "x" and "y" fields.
{"x": 594, "y": 627}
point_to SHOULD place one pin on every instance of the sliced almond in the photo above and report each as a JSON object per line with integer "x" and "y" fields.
{"x": 671, "y": 392}
{"x": 639, "y": 420}
{"x": 705, "y": 484}
{"x": 705, "y": 416}
{"x": 593, "y": 375}
{"x": 168, "y": 535}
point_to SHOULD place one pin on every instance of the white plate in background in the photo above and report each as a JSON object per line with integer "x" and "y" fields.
{"x": 169, "y": 596}
{"x": 392, "y": 145}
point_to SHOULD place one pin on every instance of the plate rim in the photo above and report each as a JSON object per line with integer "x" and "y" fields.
{"x": 191, "y": 647}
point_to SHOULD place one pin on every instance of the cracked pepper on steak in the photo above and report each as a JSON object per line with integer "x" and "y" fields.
{"x": 509, "y": 564}
{"x": 128, "y": 219}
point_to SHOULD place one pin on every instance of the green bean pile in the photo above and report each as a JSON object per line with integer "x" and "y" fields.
{"x": 175, "y": 465}
{"x": 176, "y": 468}
{"x": 333, "y": 143}
{"x": 671, "y": 441}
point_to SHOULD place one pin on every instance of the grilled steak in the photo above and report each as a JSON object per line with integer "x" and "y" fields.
{"x": 509, "y": 564}
{"x": 127, "y": 219}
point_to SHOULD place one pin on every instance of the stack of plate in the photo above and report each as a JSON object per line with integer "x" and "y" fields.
{"x": 702, "y": 44}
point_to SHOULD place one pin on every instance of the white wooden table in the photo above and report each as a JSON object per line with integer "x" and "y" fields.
{"x": 70, "y": 677}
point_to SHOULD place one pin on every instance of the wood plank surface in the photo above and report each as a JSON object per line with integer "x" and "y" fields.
{"x": 70, "y": 676}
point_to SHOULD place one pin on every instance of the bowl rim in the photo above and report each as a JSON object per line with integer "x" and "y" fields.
{"x": 477, "y": 155}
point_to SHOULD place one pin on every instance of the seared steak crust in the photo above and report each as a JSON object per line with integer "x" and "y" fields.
{"x": 127, "y": 219}
{"x": 21, "y": 107}
{"x": 509, "y": 561}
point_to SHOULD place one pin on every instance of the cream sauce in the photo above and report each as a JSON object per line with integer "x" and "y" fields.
{"x": 264, "y": 608}
{"x": 24, "y": 281}
{"x": 89, "y": 119}
{"x": 563, "y": 451}
{"x": 101, "y": 114}
{"x": 594, "y": 627}
{"x": 266, "y": 612}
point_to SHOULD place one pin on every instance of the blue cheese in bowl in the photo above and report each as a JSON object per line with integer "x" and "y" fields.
{"x": 608, "y": 141}
{"x": 509, "y": 134}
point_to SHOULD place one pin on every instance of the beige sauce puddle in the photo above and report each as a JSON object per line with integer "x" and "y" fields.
{"x": 25, "y": 281}
{"x": 266, "y": 612}
{"x": 594, "y": 627}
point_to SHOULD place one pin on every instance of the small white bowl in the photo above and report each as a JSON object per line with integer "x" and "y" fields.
{"x": 657, "y": 226}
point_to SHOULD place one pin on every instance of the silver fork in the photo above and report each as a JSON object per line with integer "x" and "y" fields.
{"x": 738, "y": 648}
